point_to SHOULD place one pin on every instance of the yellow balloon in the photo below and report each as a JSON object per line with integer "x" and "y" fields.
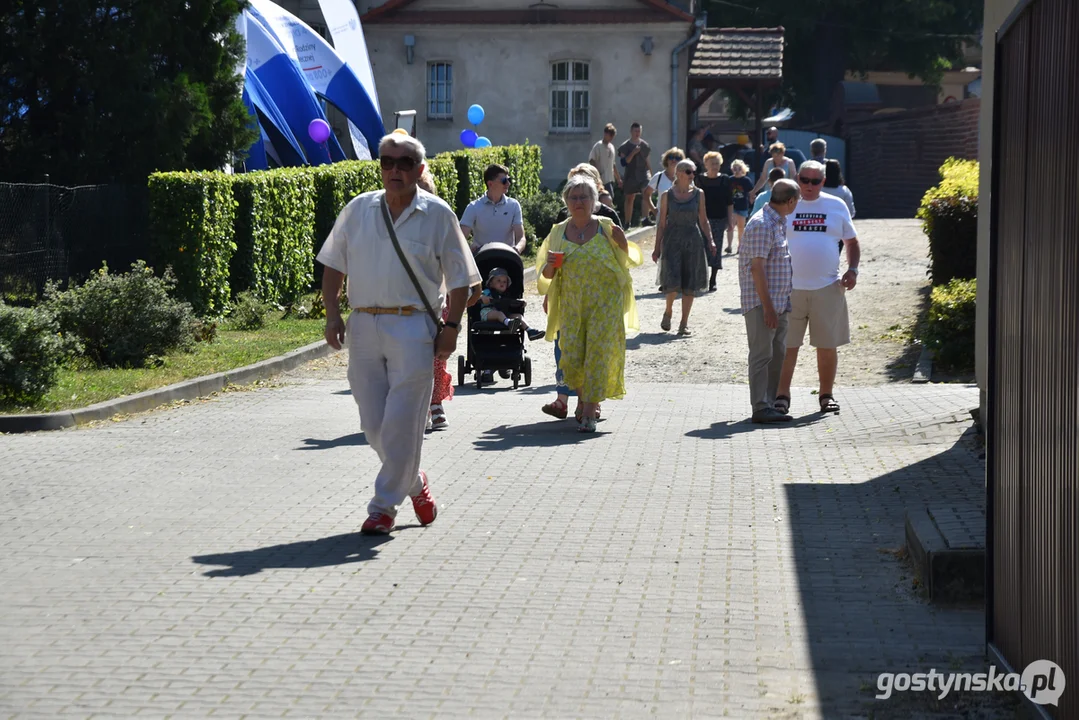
{"x": 400, "y": 131}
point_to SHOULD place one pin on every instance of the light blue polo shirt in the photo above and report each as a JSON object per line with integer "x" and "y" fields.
{"x": 492, "y": 222}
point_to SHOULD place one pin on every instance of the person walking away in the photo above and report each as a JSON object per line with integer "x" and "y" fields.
{"x": 633, "y": 156}
{"x": 695, "y": 149}
{"x": 682, "y": 236}
{"x": 602, "y": 158}
{"x": 835, "y": 186}
{"x": 819, "y": 224}
{"x": 494, "y": 216}
{"x": 740, "y": 189}
{"x": 398, "y": 246}
{"x": 583, "y": 269}
{"x": 818, "y": 151}
{"x": 764, "y": 278}
{"x": 763, "y": 198}
{"x": 720, "y": 207}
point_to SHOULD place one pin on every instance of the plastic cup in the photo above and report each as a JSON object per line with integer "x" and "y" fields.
{"x": 557, "y": 258}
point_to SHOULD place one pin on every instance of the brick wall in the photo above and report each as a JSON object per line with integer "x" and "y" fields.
{"x": 893, "y": 159}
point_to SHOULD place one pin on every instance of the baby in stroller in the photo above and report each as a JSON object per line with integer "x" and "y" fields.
{"x": 498, "y": 282}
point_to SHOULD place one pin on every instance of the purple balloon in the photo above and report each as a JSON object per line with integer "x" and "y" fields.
{"x": 319, "y": 130}
{"x": 468, "y": 138}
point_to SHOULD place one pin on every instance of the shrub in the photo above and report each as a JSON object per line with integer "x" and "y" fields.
{"x": 522, "y": 161}
{"x": 248, "y": 312}
{"x": 191, "y": 226}
{"x": 335, "y": 186}
{"x": 31, "y": 354}
{"x": 444, "y": 171}
{"x": 123, "y": 320}
{"x": 540, "y": 211}
{"x": 275, "y": 225}
{"x": 949, "y": 328}
{"x": 949, "y": 212}
{"x": 525, "y": 164}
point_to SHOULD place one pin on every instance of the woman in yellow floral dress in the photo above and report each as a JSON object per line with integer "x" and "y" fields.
{"x": 583, "y": 268}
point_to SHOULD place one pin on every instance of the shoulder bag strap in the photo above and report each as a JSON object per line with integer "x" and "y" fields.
{"x": 404, "y": 261}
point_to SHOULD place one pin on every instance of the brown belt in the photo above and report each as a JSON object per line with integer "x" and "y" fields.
{"x": 387, "y": 311}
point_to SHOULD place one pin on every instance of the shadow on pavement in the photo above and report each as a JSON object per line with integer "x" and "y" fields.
{"x": 355, "y": 439}
{"x": 864, "y": 609}
{"x": 335, "y": 550}
{"x": 346, "y": 391}
{"x": 642, "y": 339}
{"x": 725, "y": 429}
{"x": 552, "y": 433}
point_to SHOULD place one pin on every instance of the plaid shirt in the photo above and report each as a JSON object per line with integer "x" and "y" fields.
{"x": 765, "y": 237}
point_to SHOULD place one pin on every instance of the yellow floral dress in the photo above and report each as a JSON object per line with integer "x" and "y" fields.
{"x": 591, "y": 305}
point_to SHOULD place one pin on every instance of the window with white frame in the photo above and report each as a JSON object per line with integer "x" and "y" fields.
{"x": 440, "y": 90}
{"x": 570, "y": 106}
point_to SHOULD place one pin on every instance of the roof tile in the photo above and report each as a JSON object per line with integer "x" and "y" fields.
{"x": 738, "y": 53}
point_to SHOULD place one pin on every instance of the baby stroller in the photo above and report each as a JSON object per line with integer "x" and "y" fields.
{"x": 492, "y": 345}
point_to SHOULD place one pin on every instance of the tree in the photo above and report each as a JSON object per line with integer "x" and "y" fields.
{"x": 111, "y": 90}
{"x": 823, "y": 39}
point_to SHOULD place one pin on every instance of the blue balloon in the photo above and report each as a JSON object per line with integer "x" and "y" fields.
{"x": 482, "y": 142}
{"x": 468, "y": 138}
{"x": 475, "y": 114}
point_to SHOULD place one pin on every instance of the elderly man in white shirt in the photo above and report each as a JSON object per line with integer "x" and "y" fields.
{"x": 818, "y": 227}
{"x": 392, "y": 339}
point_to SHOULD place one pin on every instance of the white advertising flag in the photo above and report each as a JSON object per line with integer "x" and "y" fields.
{"x": 347, "y": 34}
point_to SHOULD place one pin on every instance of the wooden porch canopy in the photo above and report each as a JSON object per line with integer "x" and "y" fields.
{"x": 745, "y": 61}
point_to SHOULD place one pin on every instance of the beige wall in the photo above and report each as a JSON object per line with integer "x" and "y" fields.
{"x": 996, "y": 12}
{"x": 507, "y": 71}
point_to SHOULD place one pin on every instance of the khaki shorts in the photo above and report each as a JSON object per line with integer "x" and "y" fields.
{"x": 825, "y": 312}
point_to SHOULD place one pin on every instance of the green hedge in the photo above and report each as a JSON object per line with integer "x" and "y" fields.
{"x": 950, "y": 323}
{"x": 260, "y": 231}
{"x": 192, "y": 220}
{"x": 949, "y": 212}
{"x": 275, "y": 234}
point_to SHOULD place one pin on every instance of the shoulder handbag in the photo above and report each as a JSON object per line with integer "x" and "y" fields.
{"x": 435, "y": 317}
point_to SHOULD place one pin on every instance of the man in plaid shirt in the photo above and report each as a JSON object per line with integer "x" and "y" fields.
{"x": 764, "y": 275}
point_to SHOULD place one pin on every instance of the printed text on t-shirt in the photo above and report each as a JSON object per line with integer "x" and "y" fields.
{"x": 809, "y": 222}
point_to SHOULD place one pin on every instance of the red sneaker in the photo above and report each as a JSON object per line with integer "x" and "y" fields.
{"x": 377, "y": 524}
{"x": 424, "y": 504}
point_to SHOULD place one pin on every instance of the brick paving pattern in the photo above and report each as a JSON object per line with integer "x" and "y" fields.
{"x": 204, "y": 561}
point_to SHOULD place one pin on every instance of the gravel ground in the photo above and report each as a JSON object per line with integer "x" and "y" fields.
{"x": 891, "y": 286}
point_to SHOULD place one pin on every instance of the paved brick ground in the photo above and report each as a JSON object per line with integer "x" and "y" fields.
{"x": 204, "y": 560}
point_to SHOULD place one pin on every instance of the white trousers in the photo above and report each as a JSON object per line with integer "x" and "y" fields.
{"x": 391, "y": 374}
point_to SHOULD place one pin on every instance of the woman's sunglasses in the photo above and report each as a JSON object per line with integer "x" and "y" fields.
{"x": 809, "y": 181}
{"x": 687, "y": 171}
{"x": 404, "y": 164}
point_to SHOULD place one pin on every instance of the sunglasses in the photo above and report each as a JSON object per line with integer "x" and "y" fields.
{"x": 404, "y": 164}
{"x": 809, "y": 181}
{"x": 506, "y": 180}
{"x": 687, "y": 171}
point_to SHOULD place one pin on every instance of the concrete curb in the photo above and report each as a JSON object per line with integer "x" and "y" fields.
{"x": 530, "y": 272}
{"x": 923, "y": 371}
{"x": 950, "y": 574}
{"x": 185, "y": 390}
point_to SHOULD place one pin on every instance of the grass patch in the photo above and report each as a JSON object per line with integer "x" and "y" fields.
{"x": 233, "y": 349}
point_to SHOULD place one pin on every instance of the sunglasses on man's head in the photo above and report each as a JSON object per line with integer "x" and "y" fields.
{"x": 404, "y": 164}
{"x": 809, "y": 181}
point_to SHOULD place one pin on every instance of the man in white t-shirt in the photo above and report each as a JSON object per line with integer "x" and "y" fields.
{"x": 818, "y": 298}
{"x": 603, "y": 156}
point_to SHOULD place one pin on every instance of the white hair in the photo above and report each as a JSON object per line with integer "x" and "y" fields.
{"x": 685, "y": 165}
{"x": 580, "y": 181}
{"x": 409, "y": 144}
{"x": 812, "y": 165}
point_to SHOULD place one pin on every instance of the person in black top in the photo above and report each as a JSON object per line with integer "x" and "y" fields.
{"x": 719, "y": 205}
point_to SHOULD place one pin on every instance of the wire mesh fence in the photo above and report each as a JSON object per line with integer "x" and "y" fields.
{"x": 51, "y": 232}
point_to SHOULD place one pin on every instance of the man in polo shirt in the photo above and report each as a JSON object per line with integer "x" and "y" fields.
{"x": 494, "y": 216}
{"x": 764, "y": 277}
{"x": 818, "y": 300}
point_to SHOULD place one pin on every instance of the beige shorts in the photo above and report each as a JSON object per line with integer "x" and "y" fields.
{"x": 825, "y": 312}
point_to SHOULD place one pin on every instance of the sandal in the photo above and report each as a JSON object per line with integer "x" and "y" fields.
{"x": 684, "y": 331}
{"x": 556, "y": 409}
{"x": 578, "y": 413}
{"x": 782, "y": 404}
{"x": 665, "y": 323}
{"x": 828, "y": 404}
{"x": 587, "y": 426}
{"x": 438, "y": 417}
{"x": 597, "y": 411}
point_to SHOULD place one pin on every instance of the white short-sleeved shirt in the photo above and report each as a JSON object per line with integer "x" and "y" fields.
{"x": 359, "y": 246}
{"x": 814, "y": 230}
{"x": 660, "y": 183}
{"x": 492, "y": 222}
{"x": 602, "y": 156}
